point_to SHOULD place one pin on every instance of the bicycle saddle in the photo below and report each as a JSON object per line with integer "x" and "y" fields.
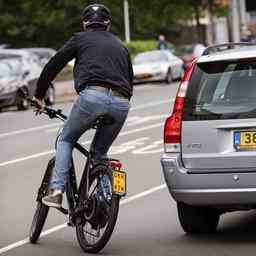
{"x": 104, "y": 120}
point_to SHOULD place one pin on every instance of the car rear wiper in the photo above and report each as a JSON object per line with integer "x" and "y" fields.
{"x": 205, "y": 114}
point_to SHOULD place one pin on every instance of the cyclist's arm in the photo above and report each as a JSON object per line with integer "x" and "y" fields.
{"x": 54, "y": 66}
{"x": 131, "y": 74}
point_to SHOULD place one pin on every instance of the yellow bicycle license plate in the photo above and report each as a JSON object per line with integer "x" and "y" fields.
{"x": 119, "y": 183}
{"x": 245, "y": 140}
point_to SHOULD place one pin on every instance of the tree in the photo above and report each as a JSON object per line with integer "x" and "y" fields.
{"x": 50, "y": 23}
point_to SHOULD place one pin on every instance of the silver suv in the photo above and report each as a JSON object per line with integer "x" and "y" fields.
{"x": 209, "y": 162}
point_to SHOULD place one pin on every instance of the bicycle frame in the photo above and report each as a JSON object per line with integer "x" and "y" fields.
{"x": 72, "y": 190}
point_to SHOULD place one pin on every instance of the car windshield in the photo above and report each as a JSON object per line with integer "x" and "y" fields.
{"x": 222, "y": 90}
{"x": 149, "y": 57}
{"x": 5, "y": 70}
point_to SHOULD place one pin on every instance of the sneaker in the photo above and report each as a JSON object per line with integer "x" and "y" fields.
{"x": 54, "y": 199}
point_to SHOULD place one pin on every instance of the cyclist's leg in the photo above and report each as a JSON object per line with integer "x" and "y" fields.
{"x": 83, "y": 114}
{"x": 77, "y": 123}
{"x": 106, "y": 135}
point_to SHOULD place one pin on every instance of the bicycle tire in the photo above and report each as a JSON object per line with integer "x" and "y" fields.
{"x": 113, "y": 213}
{"x": 42, "y": 210}
{"x": 38, "y": 222}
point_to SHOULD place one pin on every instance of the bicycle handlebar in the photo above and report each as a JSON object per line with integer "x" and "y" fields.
{"x": 52, "y": 113}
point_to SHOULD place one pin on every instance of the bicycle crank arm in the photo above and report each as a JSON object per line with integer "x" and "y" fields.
{"x": 63, "y": 210}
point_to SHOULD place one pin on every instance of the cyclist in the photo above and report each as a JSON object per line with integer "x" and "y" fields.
{"x": 103, "y": 79}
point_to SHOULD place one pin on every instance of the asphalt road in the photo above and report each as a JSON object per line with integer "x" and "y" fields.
{"x": 147, "y": 223}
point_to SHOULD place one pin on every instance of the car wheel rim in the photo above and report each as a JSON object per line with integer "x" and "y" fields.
{"x": 24, "y": 103}
{"x": 169, "y": 77}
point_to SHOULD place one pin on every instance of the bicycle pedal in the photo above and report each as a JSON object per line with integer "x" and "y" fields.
{"x": 70, "y": 224}
{"x": 63, "y": 210}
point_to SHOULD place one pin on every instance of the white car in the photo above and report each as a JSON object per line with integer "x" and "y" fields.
{"x": 157, "y": 65}
{"x": 29, "y": 67}
{"x": 44, "y": 54}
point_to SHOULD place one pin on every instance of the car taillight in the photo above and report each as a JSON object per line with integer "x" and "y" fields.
{"x": 172, "y": 128}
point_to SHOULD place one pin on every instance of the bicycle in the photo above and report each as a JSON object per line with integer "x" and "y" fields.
{"x": 93, "y": 205}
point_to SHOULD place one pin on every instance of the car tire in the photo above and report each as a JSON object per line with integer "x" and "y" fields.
{"x": 197, "y": 220}
{"x": 169, "y": 77}
{"x": 22, "y": 104}
{"x": 50, "y": 98}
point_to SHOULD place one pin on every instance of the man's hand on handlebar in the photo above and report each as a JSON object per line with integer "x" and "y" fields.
{"x": 40, "y": 107}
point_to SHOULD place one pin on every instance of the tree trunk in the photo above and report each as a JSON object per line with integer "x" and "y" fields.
{"x": 211, "y": 18}
{"x": 198, "y": 25}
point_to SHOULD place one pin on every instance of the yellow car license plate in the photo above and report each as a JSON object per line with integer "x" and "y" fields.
{"x": 119, "y": 183}
{"x": 245, "y": 140}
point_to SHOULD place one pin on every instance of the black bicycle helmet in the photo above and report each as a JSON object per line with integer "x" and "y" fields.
{"x": 96, "y": 14}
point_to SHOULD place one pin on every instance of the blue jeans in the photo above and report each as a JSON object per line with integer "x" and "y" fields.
{"x": 90, "y": 105}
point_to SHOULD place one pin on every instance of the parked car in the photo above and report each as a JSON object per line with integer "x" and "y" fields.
{"x": 4, "y": 46}
{"x": 25, "y": 70}
{"x": 44, "y": 54}
{"x": 10, "y": 82}
{"x": 209, "y": 162}
{"x": 158, "y": 65}
{"x": 189, "y": 52}
{"x": 12, "y": 78}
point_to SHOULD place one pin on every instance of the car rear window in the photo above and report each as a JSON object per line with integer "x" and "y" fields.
{"x": 221, "y": 90}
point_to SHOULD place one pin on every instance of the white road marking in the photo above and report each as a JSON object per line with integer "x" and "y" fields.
{"x": 52, "y": 151}
{"x": 59, "y": 227}
{"x": 126, "y": 146}
{"x": 152, "y": 104}
{"x": 144, "y": 119}
{"x": 131, "y": 121}
{"x": 155, "y": 147}
{"x": 28, "y": 130}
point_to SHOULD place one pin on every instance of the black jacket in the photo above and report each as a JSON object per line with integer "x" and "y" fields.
{"x": 100, "y": 59}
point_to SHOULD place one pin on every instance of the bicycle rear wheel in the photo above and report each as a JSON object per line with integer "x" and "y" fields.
{"x": 42, "y": 210}
{"x": 99, "y": 219}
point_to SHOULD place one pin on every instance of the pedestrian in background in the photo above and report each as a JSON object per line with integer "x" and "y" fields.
{"x": 162, "y": 43}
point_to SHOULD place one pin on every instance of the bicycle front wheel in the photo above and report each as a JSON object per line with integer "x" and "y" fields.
{"x": 42, "y": 210}
{"x": 38, "y": 222}
{"x": 99, "y": 218}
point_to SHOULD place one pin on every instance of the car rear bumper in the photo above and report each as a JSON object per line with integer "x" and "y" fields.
{"x": 208, "y": 189}
{"x": 7, "y": 99}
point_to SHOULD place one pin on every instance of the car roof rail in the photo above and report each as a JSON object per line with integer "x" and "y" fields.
{"x": 225, "y": 47}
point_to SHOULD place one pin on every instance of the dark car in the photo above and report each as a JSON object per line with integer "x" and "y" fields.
{"x": 25, "y": 69}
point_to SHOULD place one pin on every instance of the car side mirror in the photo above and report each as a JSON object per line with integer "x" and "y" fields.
{"x": 25, "y": 74}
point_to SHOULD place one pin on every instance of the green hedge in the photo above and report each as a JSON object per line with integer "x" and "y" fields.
{"x": 136, "y": 47}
